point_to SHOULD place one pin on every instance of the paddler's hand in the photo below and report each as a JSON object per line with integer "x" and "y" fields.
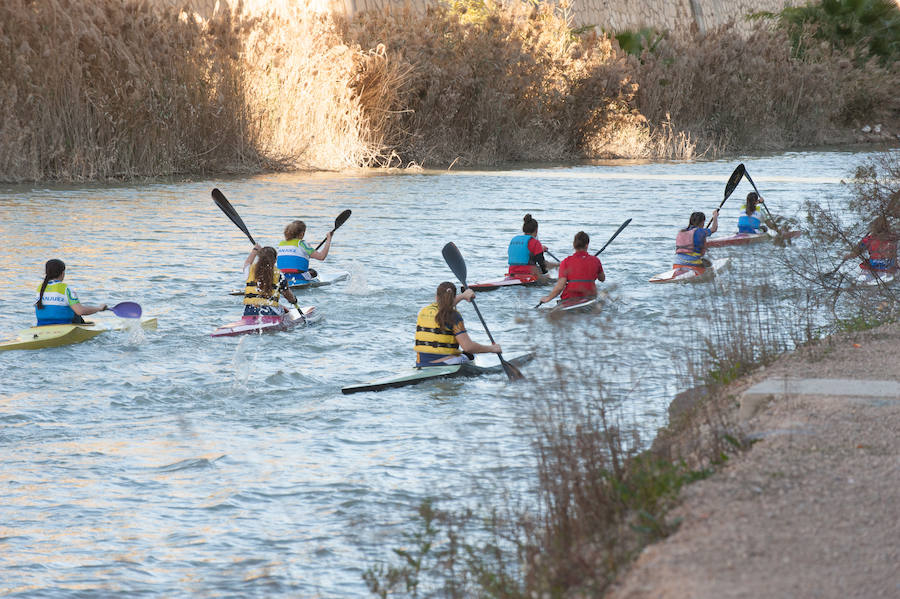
{"x": 104, "y": 308}
{"x": 495, "y": 348}
{"x": 467, "y": 295}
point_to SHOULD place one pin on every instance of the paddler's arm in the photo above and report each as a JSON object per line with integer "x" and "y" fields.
{"x": 289, "y": 295}
{"x": 467, "y": 295}
{"x": 322, "y": 253}
{"x": 467, "y": 345}
{"x": 714, "y": 226}
{"x": 85, "y": 309}
{"x": 252, "y": 256}
{"x": 557, "y": 289}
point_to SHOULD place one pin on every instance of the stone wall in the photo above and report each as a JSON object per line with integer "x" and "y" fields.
{"x": 608, "y": 14}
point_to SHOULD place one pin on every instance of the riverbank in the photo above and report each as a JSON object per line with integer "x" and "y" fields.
{"x": 810, "y": 509}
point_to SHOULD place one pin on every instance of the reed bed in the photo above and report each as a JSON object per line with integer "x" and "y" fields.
{"x": 120, "y": 90}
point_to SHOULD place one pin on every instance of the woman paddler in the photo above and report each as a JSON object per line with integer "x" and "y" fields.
{"x": 441, "y": 337}
{"x": 690, "y": 243}
{"x": 525, "y": 252}
{"x": 578, "y": 272}
{"x": 57, "y": 303}
{"x": 294, "y": 254}
{"x": 749, "y": 222}
{"x": 880, "y": 245}
{"x": 265, "y": 284}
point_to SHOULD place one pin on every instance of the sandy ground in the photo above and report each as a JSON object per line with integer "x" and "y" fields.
{"x": 811, "y": 510}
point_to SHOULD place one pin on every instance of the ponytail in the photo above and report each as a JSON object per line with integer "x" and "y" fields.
{"x": 529, "y": 225}
{"x": 264, "y": 269}
{"x": 752, "y": 200}
{"x": 446, "y": 294}
{"x": 53, "y": 269}
{"x": 697, "y": 219}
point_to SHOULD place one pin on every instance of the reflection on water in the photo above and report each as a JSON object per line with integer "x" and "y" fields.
{"x": 169, "y": 463}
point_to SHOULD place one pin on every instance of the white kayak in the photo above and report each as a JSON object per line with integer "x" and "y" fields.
{"x": 873, "y": 278}
{"x": 319, "y": 281}
{"x": 574, "y": 304}
{"x": 692, "y": 274}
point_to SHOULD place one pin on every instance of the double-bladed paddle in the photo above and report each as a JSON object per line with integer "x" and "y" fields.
{"x": 456, "y": 263}
{"x": 340, "y": 220}
{"x": 733, "y": 181}
{"x": 226, "y": 207}
{"x": 126, "y": 310}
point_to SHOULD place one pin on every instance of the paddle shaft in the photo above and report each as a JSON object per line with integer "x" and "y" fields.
{"x": 616, "y": 234}
{"x": 340, "y": 220}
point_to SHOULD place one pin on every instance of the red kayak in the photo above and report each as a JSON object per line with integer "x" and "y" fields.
{"x": 268, "y": 324}
{"x": 524, "y": 280}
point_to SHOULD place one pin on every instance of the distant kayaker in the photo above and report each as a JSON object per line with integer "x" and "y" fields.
{"x": 441, "y": 337}
{"x": 880, "y": 245}
{"x": 57, "y": 303}
{"x": 526, "y": 253}
{"x": 690, "y": 243}
{"x": 265, "y": 284}
{"x": 578, "y": 272}
{"x": 749, "y": 222}
{"x": 294, "y": 253}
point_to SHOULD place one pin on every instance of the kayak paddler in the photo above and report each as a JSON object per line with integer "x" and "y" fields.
{"x": 265, "y": 284}
{"x": 441, "y": 337}
{"x": 749, "y": 222}
{"x": 525, "y": 252}
{"x": 881, "y": 246}
{"x": 578, "y": 272}
{"x": 690, "y": 243}
{"x": 294, "y": 254}
{"x": 57, "y": 303}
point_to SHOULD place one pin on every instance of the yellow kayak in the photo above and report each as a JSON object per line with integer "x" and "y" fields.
{"x": 54, "y": 335}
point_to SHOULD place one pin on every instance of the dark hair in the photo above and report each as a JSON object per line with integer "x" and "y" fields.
{"x": 446, "y": 293}
{"x": 530, "y": 226}
{"x": 697, "y": 219}
{"x": 53, "y": 269}
{"x": 264, "y": 269}
{"x": 581, "y": 241}
{"x": 752, "y": 200}
{"x": 295, "y": 230}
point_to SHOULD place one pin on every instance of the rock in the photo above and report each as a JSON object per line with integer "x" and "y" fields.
{"x": 878, "y": 128}
{"x": 866, "y": 129}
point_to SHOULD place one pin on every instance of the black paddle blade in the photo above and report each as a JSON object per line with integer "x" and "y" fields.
{"x": 341, "y": 219}
{"x": 733, "y": 181}
{"x": 512, "y": 372}
{"x": 455, "y": 261}
{"x": 226, "y": 207}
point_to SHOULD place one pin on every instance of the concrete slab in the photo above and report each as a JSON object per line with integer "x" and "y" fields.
{"x": 771, "y": 389}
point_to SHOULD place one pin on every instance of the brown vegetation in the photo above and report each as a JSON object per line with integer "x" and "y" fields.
{"x": 117, "y": 90}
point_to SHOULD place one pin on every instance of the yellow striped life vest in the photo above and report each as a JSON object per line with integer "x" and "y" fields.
{"x": 430, "y": 337}
{"x": 252, "y": 295}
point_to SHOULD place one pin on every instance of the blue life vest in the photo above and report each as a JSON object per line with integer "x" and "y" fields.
{"x": 518, "y": 251}
{"x": 293, "y": 255}
{"x": 748, "y": 224}
{"x": 57, "y": 301}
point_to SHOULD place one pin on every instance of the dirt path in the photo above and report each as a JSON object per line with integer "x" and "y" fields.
{"x": 812, "y": 509}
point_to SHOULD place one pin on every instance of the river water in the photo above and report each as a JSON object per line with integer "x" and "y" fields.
{"x": 169, "y": 463}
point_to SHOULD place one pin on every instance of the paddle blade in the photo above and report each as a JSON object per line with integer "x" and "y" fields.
{"x": 455, "y": 261}
{"x": 341, "y": 219}
{"x": 127, "y": 310}
{"x": 226, "y": 207}
{"x": 512, "y": 372}
{"x": 733, "y": 181}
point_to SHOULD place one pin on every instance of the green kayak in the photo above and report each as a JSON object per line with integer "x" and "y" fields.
{"x": 414, "y": 376}
{"x": 55, "y": 335}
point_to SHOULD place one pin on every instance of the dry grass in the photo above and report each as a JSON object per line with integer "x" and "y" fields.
{"x": 733, "y": 93}
{"x": 116, "y": 90}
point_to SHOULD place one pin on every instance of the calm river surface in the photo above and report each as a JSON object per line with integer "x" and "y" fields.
{"x": 172, "y": 464}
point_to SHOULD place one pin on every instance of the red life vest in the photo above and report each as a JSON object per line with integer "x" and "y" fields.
{"x": 580, "y": 270}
